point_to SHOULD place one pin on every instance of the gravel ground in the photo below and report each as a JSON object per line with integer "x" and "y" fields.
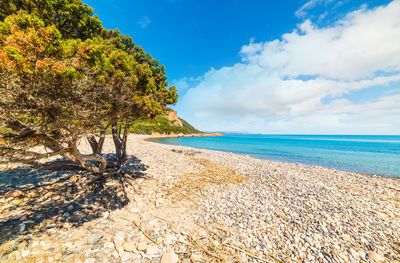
{"x": 306, "y": 213}
{"x": 183, "y": 209}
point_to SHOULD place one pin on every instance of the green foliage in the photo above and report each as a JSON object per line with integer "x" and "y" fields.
{"x": 28, "y": 46}
{"x": 161, "y": 125}
{"x": 73, "y": 18}
{"x": 63, "y": 76}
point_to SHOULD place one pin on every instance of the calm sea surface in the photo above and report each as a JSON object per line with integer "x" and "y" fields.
{"x": 359, "y": 153}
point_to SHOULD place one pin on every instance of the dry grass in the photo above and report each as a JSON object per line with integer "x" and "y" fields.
{"x": 192, "y": 185}
{"x": 220, "y": 244}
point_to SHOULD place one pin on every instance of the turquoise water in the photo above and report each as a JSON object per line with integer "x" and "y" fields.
{"x": 370, "y": 154}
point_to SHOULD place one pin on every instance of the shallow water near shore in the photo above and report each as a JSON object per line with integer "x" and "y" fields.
{"x": 372, "y": 154}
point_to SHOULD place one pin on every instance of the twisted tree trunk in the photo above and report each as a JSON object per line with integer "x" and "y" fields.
{"x": 83, "y": 161}
{"x": 120, "y": 137}
{"x": 97, "y": 145}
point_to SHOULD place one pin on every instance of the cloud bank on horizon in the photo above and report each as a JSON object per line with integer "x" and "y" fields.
{"x": 339, "y": 79}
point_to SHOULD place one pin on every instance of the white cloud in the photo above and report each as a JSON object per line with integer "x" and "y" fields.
{"x": 302, "y": 11}
{"x": 144, "y": 22}
{"x": 279, "y": 85}
{"x": 183, "y": 85}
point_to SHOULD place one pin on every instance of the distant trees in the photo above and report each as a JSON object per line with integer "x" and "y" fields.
{"x": 63, "y": 77}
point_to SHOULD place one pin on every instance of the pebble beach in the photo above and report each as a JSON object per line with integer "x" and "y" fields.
{"x": 196, "y": 205}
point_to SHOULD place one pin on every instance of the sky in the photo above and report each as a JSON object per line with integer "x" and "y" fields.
{"x": 275, "y": 67}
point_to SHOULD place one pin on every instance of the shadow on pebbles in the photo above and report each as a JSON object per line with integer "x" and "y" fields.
{"x": 191, "y": 205}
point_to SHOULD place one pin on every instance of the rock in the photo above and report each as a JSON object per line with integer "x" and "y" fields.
{"x": 140, "y": 204}
{"x": 67, "y": 253}
{"x": 14, "y": 254}
{"x": 129, "y": 247}
{"x": 18, "y": 202}
{"x": 153, "y": 250}
{"x": 119, "y": 239}
{"x": 115, "y": 254}
{"x": 346, "y": 237}
{"x": 44, "y": 244}
{"x": 169, "y": 257}
{"x": 126, "y": 257}
{"x": 90, "y": 260}
{"x": 196, "y": 258}
{"x": 142, "y": 246}
{"x": 25, "y": 253}
{"x": 173, "y": 117}
{"x": 70, "y": 207}
{"x": 242, "y": 258}
{"x": 13, "y": 193}
{"x": 109, "y": 245}
{"x": 94, "y": 237}
{"x": 32, "y": 195}
{"x": 22, "y": 227}
{"x": 376, "y": 257}
{"x": 135, "y": 210}
{"x": 6, "y": 229}
{"x": 106, "y": 214}
{"x": 170, "y": 239}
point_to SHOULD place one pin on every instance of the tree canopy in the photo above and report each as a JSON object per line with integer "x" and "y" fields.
{"x": 64, "y": 78}
{"x": 73, "y": 18}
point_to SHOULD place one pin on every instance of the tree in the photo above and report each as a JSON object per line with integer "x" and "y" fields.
{"x": 37, "y": 105}
{"x": 72, "y": 18}
{"x": 129, "y": 90}
{"x": 59, "y": 90}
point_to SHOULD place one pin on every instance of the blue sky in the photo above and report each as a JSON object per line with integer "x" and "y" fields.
{"x": 310, "y": 66}
{"x": 191, "y": 36}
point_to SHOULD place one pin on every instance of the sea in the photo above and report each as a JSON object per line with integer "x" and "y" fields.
{"x": 370, "y": 154}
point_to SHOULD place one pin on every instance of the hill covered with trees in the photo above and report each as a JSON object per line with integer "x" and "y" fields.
{"x": 167, "y": 123}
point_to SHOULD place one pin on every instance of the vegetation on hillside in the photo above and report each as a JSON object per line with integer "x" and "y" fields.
{"x": 162, "y": 125}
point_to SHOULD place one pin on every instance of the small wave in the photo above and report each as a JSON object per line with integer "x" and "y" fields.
{"x": 345, "y": 140}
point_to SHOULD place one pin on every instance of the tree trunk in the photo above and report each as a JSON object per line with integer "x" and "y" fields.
{"x": 120, "y": 142}
{"x": 76, "y": 157}
{"x": 97, "y": 145}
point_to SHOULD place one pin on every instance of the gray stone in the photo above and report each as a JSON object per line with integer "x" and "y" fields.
{"x": 169, "y": 257}
{"x": 153, "y": 251}
{"x": 376, "y": 257}
{"x": 25, "y": 253}
{"x": 126, "y": 256}
{"x": 94, "y": 237}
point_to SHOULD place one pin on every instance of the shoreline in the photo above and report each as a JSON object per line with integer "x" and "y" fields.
{"x": 149, "y": 139}
{"x": 206, "y": 206}
{"x": 180, "y": 135}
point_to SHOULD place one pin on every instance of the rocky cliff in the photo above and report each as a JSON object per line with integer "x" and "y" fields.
{"x": 168, "y": 123}
{"x": 173, "y": 117}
